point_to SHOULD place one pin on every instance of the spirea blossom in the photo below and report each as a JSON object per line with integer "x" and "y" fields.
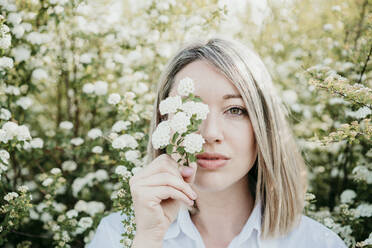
{"x": 10, "y": 196}
{"x": 6, "y": 62}
{"x": 4, "y": 156}
{"x": 88, "y": 88}
{"x": 47, "y": 182}
{"x": 132, "y": 155}
{"x": 94, "y": 133}
{"x": 100, "y": 88}
{"x": 37, "y": 143}
{"x": 363, "y": 210}
{"x": 5, "y": 41}
{"x": 77, "y": 141}
{"x": 170, "y": 105}
{"x": 348, "y": 196}
{"x": 123, "y": 141}
{"x": 5, "y": 114}
{"x": 39, "y": 74}
{"x": 113, "y": 99}
{"x": 200, "y": 109}
{"x": 66, "y": 125}
{"x": 193, "y": 143}
{"x": 97, "y": 150}
{"x": 161, "y": 136}
{"x": 179, "y": 122}
{"x": 69, "y": 165}
{"x": 120, "y": 126}
{"x": 21, "y": 53}
{"x": 186, "y": 86}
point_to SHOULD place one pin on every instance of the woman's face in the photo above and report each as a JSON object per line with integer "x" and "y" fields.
{"x": 227, "y": 129}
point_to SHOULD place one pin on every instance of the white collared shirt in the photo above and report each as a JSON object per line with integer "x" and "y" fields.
{"x": 182, "y": 233}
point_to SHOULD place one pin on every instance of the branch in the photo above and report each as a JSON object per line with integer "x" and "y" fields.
{"x": 365, "y": 65}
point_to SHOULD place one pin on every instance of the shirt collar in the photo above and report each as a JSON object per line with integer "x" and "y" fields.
{"x": 184, "y": 223}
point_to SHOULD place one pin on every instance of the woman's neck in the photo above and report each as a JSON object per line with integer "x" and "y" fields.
{"x": 229, "y": 209}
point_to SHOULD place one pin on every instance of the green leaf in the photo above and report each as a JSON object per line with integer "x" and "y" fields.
{"x": 175, "y": 136}
{"x": 192, "y": 158}
{"x": 181, "y": 150}
{"x": 179, "y": 142}
{"x": 170, "y": 149}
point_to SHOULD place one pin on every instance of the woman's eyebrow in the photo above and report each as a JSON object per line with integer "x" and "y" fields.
{"x": 228, "y": 96}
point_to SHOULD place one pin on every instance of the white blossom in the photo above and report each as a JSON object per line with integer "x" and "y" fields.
{"x": 120, "y": 126}
{"x": 85, "y": 222}
{"x": 100, "y": 88}
{"x": 5, "y": 114}
{"x": 39, "y": 74}
{"x": 97, "y": 150}
{"x": 101, "y": 175}
{"x": 193, "y": 143}
{"x": 10, "y": 196}
{"x": 132, "y": 155}
{"x": 69, "y": 165}
{"x": 18, "y": 31}
{"x": 5, "y": 41}
{"x": 179, "y": 122}
{"x": 4, "y": 156}
{"x": 186, "y": 87}
{"x": 200, "y": 109}
{"x": 363, "y": 210}
{"x": 66, "y": 125}
{"x": 12, "y": 90}
{"x": 170, "y": 105}
{"x": 123, "y": 141}
{"x": 162, "y": 135}
{"x": 23, "y": 133}
{"x": 37, "y": 143}
{"x": 88, "y": 88}
{"x": 94, "y": 133}
{"x": 348, "y": 196}
{"x": 24, "y": 102}
{"x": 47, "y": 182}
{"x": 113, "y": 99}
{"x": 55, "y": 171}
{"x": 72, "y": 213}
{"x": 77, "y": 141}
{"x": 6, "y": 62}
{"x": 21, "y": 53}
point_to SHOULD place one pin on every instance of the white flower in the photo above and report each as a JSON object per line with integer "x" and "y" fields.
{"x": 200, "y": 109}
{"x": 100, "y": 88}
{"x": 80, "y": 206}
{"x": 39, "y": 74}
{"x": 140, "y": 88}
{"x": 170, "y": 105}
{"x": 72, "y": 213}
{"x": 77, "y": 141}
{"x": 18, "y": 31}
{"x": 12, "y": 90}
{"x": 131, "y": 155}
{"x": 5, "y": 41}
{"x": 348, "y": 196}
{"x": 69, "y": 165}
{"x": 23, "y": 133}
{"x": 121, "y": 170}
{"x": 55, "y": 171}
{"x": 179, "y": 122}
{"x": 24, "y": 102}
{"x": 4, "y": 156}
{"x": 113, "y": 99}
{"x": 328, "y": 27}
{"x": 5, "y": 114}
{"x": 120, "y": 126}
{"x": 10, "y": 196}
{"x": 23, "y": 188}
{"x": 88, "y": 88}
{"x": 101, "y": 175}
{"x": 193, "y": 143}
{"x": 161, "y": 135}
{"x": 47, "y": 182}
{"x": 11, "y": 130}
{"x": 97, "y": 149}
{"x": 37, "y": 143}
{"x": 86, "y": 58}
{"x": 186, "y": 87}
{"x": 94, "y": 133}
{"x": 123, "y": 141}
{"x": 21, "y": 53}
{"x": 94, "y": 207}
{"x": 363, "y": 210}
{"x": 38, "y": 38}
{"x": 85, "y": 222}
{"x": 6, "y": 62}
{"x": 14, "y": 18}
{"x": 66, "y": 125}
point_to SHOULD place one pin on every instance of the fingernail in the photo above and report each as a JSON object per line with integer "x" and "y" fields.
{"x": 187, "y": 170}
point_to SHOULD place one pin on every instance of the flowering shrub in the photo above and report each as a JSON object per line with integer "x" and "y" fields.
{"x": 77, "y": 84}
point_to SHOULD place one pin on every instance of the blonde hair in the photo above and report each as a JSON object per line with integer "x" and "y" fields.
{"x": 280, "y": 176}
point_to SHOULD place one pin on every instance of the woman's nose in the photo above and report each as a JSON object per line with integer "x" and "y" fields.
{"x": 211, "y": 129}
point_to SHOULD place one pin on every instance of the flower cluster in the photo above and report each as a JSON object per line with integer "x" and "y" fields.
{"x": 177, "y": 134}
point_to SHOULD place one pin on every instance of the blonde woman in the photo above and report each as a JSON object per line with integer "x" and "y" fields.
{"x": 247, "y": 188}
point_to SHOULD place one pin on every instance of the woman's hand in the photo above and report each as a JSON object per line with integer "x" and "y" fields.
{"x": 158, "y": 192}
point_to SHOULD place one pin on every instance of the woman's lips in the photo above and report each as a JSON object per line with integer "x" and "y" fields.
{"x": 211, "y": 164}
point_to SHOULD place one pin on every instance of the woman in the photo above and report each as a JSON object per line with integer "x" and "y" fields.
{"x": 255, "y": 197}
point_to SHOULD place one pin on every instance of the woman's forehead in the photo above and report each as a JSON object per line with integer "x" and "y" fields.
{"x": 208, "y": 80}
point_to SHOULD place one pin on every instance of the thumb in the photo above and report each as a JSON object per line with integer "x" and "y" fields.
{"x": 189, "y": 172}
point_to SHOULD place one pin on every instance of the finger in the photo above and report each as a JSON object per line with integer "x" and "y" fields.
{"x": 160, "y": 193}
{"x": 167, "y": 179}
{"x": 189, "y": 172}
{"x": 163, "y": 163}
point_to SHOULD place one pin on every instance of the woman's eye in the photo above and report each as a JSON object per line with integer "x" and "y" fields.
{"x": 237, "y": 111}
